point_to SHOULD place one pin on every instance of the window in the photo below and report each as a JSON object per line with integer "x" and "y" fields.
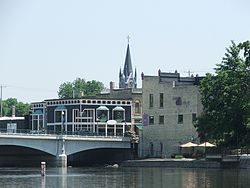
{"x": 40, "y": 122}
{"x": 161, "y": 149}
{"x": 58, "y": 116}
{"x": 180, "y": 119}
{"x": 151, "y": 149}
{"x": 76, "y": 114}
{"x": 137, "y": 107}
{"x": 119, "y": 114}
{"x": 161, "y": 119}
{"x": 102, "y": 113}
{"x": 35, "y": 122}
{"x": 194, "y": 118}
{"x": 151, "y": 100}
{"x": 161, "y": 100}
{"x": 151, "y": 120}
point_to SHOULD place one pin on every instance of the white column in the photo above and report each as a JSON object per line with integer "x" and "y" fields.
{"x": 114, "y": 129}
{"x": 123, "y": 129}
{"x": 106, "y": 129}
{"x": 62, "y": 157}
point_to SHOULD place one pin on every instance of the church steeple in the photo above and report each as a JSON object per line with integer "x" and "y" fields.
{"x": 126, "y": 79}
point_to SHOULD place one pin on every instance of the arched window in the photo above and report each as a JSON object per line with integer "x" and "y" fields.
{"x": 137, "y": 107}
{"x": 102, "y": 113}
{"x": 119, "y": 114}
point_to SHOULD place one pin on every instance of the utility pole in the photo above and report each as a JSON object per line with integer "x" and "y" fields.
{"x": 1, "y": 88}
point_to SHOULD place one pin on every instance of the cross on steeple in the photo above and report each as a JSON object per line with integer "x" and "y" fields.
{"x": 128, "y": 37}
{"x": 189, "y": 73}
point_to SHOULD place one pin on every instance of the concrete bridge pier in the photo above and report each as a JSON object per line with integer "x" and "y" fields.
{"x": 62, "y": 157}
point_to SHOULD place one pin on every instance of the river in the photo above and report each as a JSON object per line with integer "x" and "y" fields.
{"x": 95, "y": 177}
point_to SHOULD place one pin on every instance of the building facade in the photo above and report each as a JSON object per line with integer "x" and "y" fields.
{"x": 87, "y": 116}
{"x": 170, "y": 106}
{"x": 134, "y": 94}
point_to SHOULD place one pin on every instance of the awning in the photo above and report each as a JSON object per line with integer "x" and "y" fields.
{"x": 102, "y": 108}
{"x": 139, "y": 125}
{"x": 207, "y": 144}
{"x": 188, "y": 145}
{"x": 118, "y": 108}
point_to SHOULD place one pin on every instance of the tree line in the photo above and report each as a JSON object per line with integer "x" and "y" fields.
{"x": 225, "y": 96}
{"x": 21, "y": 109}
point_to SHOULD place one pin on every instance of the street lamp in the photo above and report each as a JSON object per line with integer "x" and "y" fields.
{"x": 97, "y": 127}
{"x": 62, "y": 118}
{"x": 124, "y": 127}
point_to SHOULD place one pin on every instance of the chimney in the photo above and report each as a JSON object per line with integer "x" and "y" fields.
{"x": 13, "y": 109}
{"x": 81, "y": 93}
{"x": 111, "y": 86}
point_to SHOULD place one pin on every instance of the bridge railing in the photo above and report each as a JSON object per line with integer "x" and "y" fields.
{"x": 52, "y": 132}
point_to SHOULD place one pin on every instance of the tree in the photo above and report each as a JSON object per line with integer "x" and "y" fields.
{"x": 21, "y": 109}
{"x": 79, "y": 87}
{"x": 226, "y": 98}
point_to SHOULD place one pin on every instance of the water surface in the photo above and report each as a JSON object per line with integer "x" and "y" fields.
{"x": 96, "y": 177}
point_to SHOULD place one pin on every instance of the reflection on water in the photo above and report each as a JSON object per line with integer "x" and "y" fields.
{"x": 124, "y": 177}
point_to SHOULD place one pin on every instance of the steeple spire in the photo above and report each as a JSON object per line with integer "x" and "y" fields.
{"x": 128, "y": 64}
{"x": 126, "y": 79}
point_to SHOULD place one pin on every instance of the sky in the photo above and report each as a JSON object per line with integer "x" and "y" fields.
{"x": 44, "y": 43}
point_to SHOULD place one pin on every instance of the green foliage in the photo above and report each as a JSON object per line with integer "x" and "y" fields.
{"x": 21, "y": 108}
{"x": 226, "y": 98}
{"x": 79, "y": 87}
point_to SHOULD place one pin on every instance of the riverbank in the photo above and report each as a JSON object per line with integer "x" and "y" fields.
{"x": 188, "y": 163}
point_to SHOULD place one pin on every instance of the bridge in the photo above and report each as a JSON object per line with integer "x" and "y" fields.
{"x": 61, "y": 146}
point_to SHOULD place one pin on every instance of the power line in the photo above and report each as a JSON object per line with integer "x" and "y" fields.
{"x": 33, "y": 89}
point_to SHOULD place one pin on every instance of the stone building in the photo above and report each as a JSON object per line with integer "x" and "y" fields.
{"x": 170, "y": 106}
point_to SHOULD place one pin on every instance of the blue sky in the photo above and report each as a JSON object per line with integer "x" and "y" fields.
{"x": 48, "y": 42}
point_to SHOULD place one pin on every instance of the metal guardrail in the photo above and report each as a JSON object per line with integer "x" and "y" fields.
{"x": 69, "y": 133}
